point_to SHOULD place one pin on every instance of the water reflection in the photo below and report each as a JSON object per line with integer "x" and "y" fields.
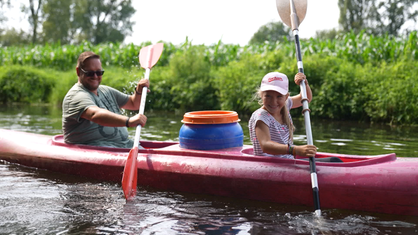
{"x": 34, "y": 201}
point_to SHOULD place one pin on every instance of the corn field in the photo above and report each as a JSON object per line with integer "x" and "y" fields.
{"x": 360, "y": 48}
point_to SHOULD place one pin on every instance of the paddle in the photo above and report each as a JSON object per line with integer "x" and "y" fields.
{"x": 148, "y": 57}
{"x": 292, "y": 13}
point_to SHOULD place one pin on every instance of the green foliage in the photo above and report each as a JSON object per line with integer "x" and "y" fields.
{"x": 64, "y": 57}
{"x": 237, "y": 83}
{"x": 190, "y": 79}
{"x": 354, "y": 76}
{"x": 360, "y": 48}
{"x": 393, "y": 94}
{"x": 25, "y": 85}
{"x": 363, "y": 48}
{"x": 63, "y": 82}
{"x": 160, "y": 97}
{"x": 341, "y": 93}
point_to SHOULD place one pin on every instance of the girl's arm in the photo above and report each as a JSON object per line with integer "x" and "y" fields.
{"x": 268, "y": 146}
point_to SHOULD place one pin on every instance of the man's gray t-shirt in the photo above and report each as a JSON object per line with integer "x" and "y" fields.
{"x": 78, "y": 130}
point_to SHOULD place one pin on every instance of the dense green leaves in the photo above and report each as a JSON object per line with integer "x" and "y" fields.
{"x": 25, "y": 85}
{"x": 356, "y": 77}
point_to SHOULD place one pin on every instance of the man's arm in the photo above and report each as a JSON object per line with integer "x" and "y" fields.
{"x": 105, "y": 117}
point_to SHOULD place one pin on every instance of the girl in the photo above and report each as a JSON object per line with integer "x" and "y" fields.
{"x": 271, "y": 126}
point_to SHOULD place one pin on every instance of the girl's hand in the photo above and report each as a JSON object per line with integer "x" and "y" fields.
{"x": 305, "y": 150}
{"x": 299, "y": 77}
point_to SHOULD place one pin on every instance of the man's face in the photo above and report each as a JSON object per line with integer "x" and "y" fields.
{"x": 90, "y": 80}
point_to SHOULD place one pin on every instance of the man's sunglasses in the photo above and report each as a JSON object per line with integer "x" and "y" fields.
{"x": 91, "y": 73}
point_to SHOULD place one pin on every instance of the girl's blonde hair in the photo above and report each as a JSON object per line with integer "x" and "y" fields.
{"x": 284, "y": 112}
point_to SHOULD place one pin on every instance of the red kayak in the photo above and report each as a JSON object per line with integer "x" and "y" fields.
{"x": 381, "y": 183}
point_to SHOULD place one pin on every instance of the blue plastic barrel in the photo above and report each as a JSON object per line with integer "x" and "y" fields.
{"x": 211, "y": 136}
{"x": 211, "y": 130}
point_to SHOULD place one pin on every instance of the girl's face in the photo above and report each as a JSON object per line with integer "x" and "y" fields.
{"x": 273, "y": 101}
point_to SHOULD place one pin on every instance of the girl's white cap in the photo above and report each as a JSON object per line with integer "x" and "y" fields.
{"x": 275, "y": 81}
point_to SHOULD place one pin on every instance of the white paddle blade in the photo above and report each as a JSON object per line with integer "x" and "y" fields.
{"x": 155, "y": 53}
{"x": 284, "y": 9}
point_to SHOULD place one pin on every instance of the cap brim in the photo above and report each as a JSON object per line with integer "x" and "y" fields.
{"x": 273, "y": 88}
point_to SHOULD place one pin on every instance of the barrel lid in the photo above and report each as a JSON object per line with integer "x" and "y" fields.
{"x": 210, "y": 117}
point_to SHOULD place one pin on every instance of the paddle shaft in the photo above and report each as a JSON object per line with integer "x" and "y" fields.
{"x": 305, "y": 111}
{"x": 143, "y": 100}
{"x": 133, "y": 166}
{"x": 152, "y": 54}
{"x": 130, "y": 172}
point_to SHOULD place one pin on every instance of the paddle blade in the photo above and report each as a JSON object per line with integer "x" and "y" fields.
{"x": 130, "y": 173}
{"x": 149, "y": 55}
{"x": 284, "y": 9}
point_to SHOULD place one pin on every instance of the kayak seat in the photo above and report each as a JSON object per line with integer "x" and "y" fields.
{"x": 326, "y": 159}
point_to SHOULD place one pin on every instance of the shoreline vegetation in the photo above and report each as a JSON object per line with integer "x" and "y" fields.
{"x": 353, "y": 77}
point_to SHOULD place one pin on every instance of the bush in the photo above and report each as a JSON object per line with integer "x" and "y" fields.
{"x": 26, "y": 85}
{"x": 393, "y": 94}
{"x": 189, "y": 77}
{"x": 238, "y": 82}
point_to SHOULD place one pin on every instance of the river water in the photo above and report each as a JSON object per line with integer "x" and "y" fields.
{"x": 34, "y": 201}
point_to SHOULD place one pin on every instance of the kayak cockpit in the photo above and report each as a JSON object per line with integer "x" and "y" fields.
{"x": 244, "y": 153}
{"x": 348, "y": 160}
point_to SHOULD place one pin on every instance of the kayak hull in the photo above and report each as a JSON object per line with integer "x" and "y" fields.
{"x": 381, "y": 183}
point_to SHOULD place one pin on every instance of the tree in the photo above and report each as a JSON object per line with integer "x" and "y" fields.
{"x": 353, "y": 14}
{"x": 58, "y": 25}
{"x": 34, "y": 17}
{"x": 376, "y": 16}
{"x": 97, "y": 21}
{"x": 271, "y": 32}
{"x": 9, "y": 37}
{"x": 3, "y": 3}
{"x": 395, "y": 13}
{"x": 100, "y": 21}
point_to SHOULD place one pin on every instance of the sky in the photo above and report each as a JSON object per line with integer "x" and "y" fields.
{"x": 232, "y": 21}
{"x": 207, "y": 22}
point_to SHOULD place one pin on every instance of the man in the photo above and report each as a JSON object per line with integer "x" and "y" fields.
{"x": 91, "y": 112}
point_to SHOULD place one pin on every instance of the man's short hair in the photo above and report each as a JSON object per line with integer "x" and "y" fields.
{"x": 85, "y": 56}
